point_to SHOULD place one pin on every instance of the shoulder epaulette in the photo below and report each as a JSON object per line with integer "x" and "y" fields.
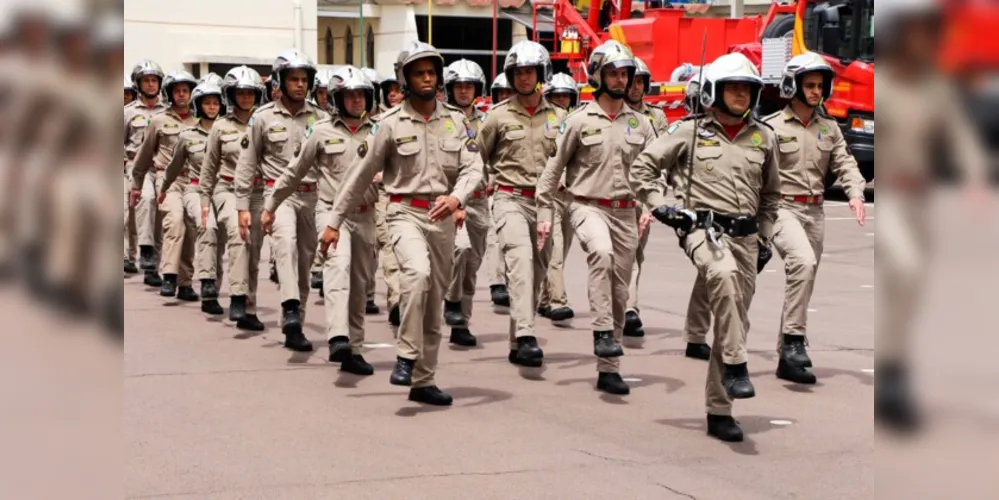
{"x": 821, "y": 111}
{"x": 266, "y": 106}
{"x": 132, "y": 104}
{"x": 761, "y": 122}
{"x": 328, "y": 119}
{"x": 558, "y": 106}
{"x": 696, "y": 116}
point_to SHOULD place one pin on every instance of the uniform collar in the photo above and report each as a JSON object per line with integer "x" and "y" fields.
{"x": 173, "y": 114}
{"x": 710, "y": 118}
{"x": 339, "y": 122}
{"x": 307, "y": 108}
{"x": 595, "y": 110}
{"x": 543, "y": 104}
{"x": 159, "y": 104}
{"x": 200, "y": 127}
{"x": 788, "y": 115}
{"x": 407, "y": 111}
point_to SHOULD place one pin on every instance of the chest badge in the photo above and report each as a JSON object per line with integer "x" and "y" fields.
{"x": 246, "y": 142}
{"x": 552, "y": 120}
{"x": 362, "y": 150}
{"x": 298, "y": 148}
{"x": 757, "y": 140}
{"x": 449, "y": 125}
{"x": 633, "y": 122}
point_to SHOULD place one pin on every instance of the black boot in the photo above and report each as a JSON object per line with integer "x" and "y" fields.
{"x": 147, "y": 258}
{"x": 612, "y": 383}
{"x": 130, "y": 267}
{"x": 500, "y": 296}
{"x": 793, "y": 351}
{"x": 356, "y": 364}
{"x": 187, "y": 294}
{"x": 316, "y": 282}
{"x": 339, "y": 349}
{"x": 461, "y": 336}
{"x": 545, "y": 311}
{"x": 169, "y": 287}
{"x": 894, "y": 405}
{"x": 724, "y": 428}
{"x": 430, "y": 395}
{"x": 698, "y": 351}
{"x": 604, "y": 345}
{"x": 452, "y": 314}
{"x": 237, "y": 307}
{"x": 737, "y": 383}
{"x": 370, "y": 308}
{"x": 294, "y": 339}
{"x": 633, "y": 325}
{"x": 395, "y": 317}
{"x": 796, "y": 374}
{"x": 527, "y": 353}
{"x": 402, "y": 374}
{"x": 152, "y": 279}
{"x": 208, "y": 290}
{"x": 562, "y": 314}
{"x": 250, "y": 323}
{"x": 212, "y": 307}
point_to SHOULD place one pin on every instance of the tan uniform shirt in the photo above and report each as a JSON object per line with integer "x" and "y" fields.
{"x": 188, "y": 156}
{"x": 808, "y": 153}
{"x": 137, "y": 116}
{"x": 515, "y": 145}
{"x": 656, "y": 116}
{"x": 596, "y": 154}
{"x": 274, "y": 138}
{"x": 729, "y": 177}
{"x": 418, "y": 157}
{"x": 157, "y": 148}
{"x": 221, "y": 155}
{"x": 332, "y": 149}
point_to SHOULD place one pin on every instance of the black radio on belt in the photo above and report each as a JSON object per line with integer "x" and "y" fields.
{"x": 733, "y": 226}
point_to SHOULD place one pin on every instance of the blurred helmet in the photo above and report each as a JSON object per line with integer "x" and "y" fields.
{"x": 212, "y": 78}
{"x": 414, "y": 51}
{"x": 500, "y": 83}
{"x": 293, "y": 59}
{"x": 129, "y": 86}
{"x": 562, "y": 83}
{"x": 178, "y": 78}
{"x": 146, "y": 67}
{"x": 464, "y": 70}
{"x": 528, "y": 54}
{"x": 642, "y": 72}
{"x": 324, "y": 77}
{"x": 243, "y": 77}
{"x": 692, "y": 94}
{"x": 798, "y": 67}
{"x": 205, "y": 89}
{"x": 730, "y": 68}
{"x": 610, "y": 54}
{"x": 375, "y": 80}
{"x": 351, "y": 78}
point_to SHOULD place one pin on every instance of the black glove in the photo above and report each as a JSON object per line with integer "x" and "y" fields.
{"x": 681, "y": 220}
{"x": 766, "y": 253}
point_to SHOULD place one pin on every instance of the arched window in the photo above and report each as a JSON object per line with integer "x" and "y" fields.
{"x": 369, "y": 52}
{"x": 329, "y": 46}
{"x": 348, "y": 47}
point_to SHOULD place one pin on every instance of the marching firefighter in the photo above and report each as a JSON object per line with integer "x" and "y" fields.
{"x": 430, "y": 166}
{"x": 392, "y": 94}
{"x": 465, "y": 82}
{"x": 596, "y": 145}
{"x": 162, "y": 134}
{"x": 330, "y": 152}
{"x": 554, "y": 302}
{"x": 147, "y": 77}
{"x": 244, "y": 90}
{"x": 274, "y": 139}
{"x": 370, "y": 307}
{"x": 499, "y": 91}
{"x": 131, "y": 94}
{"x": 723, "y": 166}
{"x": 188, "y": 157}
{"x": 321, "y": 98}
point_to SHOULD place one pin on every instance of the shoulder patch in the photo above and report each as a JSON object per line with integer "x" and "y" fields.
{"x": 471, "y": 146}
{"x": 562, "y": 127}
{"x": 362, "y": 150}
{"x": 374, "y": 129}
{"x": 763, "y": 123}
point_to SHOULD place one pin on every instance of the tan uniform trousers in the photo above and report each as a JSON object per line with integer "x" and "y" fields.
{"x": 609, "y": 236}
{"x": 179, "y": 235}
{"x": 425, "y": 253}
{"x": 244, "y": 257}
{"x": 798, "y": 237}
{"x": 131, "y": 238}
{"x": 346, "y": 273}
{"x": 147, "y": 220}
{"x": 390, "y": 266}
{"x": 323, "y": 209}
{"x": 469, "y": 249}
{"x": 730, "y": 282}
{"x": 636, "y": 271}
{"x": 207, "y": 257}
{"x": 553, "y": 292}
{"x": 698, "y": 313}
{"x": 293, "y": 244}
{"x": 495, "y": 264}
{"x": 516, "y": 222}
{"x": 902, "y": 247}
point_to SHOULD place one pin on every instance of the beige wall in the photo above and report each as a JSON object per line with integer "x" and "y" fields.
{"x": 338, "y": 27}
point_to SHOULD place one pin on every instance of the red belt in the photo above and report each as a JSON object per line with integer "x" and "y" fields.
{"x": 807, "y": 200}
{"x": 232, "y": 179}
{"x": 302, "y": 188}
{"x": 527, "y": 193}
{"x": 609, "y": 203}
{"x": 413, "y": 202}
{"x": 195, "y": 182}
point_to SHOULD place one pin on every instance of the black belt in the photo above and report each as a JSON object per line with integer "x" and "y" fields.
{"x": 735, "y": 226}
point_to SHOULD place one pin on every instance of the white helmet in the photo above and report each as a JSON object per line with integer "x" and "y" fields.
{"x": 798, "y": 66}
{"x": 413, "y": 52}
{"x": 243, "y": 77}
{"x": 526, "y": 54}
{"x": 213, "y": 78}
{"x": 178, "y": 77}
{"x": 129, "y": 86}
{"x": 500, "y": 83}
{"x": 464, "y": 70}
{"x": 730, "y": 68}
{"x": 205, "y": 89}
{"x": 143, "y": 68}
{"x": 351, "y": 78}
{"x": 692, "y": 94}
{"x": 642, "y": 71}
{"x": 289, "y": 60}
{"x": 562, "y": 83}
{"x": 609, "y": 54}
{"x": 324, "y": 79}
{"x": 375, "y": 80}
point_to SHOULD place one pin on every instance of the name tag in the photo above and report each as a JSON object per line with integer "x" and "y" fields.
{"x": 709, "y": 143}
{"x": 511, "y": 128}
{"x": 278, "y": 128}
{"x": 786, "y": 139}
{"x": 405, "y": 140}
{"x": 334, "y": 140}
{"x": 592, "y": 132}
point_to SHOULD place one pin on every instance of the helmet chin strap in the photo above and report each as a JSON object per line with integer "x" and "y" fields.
{"x": 424, "y": 96}
{"x": 616, "y": 95}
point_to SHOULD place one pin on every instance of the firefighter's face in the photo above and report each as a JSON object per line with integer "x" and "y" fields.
{"x": 245, "y": 99}
{"x": 394, "y": 95}
{"x": 149, "y": 85}
{"x": 129, "y": 96}
{"x": 464, "y": 93}
{"x": 422, "y": 76}
{"x": 736, "y": 97}
{"x": 564, "y": 100}
{"x": 322, "y": 97}
{"x": 637, "y": 90}
{"x": 811, "y": 87}
{"x": 503, "y": 94}
{"x": 296, "y": 84}
{"x": 616, "y": 79}
{"x": 525, "y": 80}
{"x": 210, "y": 106}
{"x": 180, "y": 94}
{"x": 276, "y": 94}
{"x": 354, "y": 102}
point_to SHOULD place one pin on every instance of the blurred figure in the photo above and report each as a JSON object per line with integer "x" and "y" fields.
{"x": 499, "y": 91}
{"x": 130, "y": 93}
{"x": 391, "y": 93}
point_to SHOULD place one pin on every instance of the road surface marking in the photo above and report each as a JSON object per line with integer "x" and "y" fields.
{"x": 781, "y": 423}
{"x": 866, "y": 286}
{"x": 632, "y": 379}
{"x": 868, "y": 370}
{"x": 378, "y": 346}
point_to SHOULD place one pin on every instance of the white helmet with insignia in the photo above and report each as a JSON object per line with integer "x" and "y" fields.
{"x": 324, "y": 77}
{"x": 143, "y": 68}
{"x": 798, "y": 67}
{"x": 642, "y": 72}
{"x": 351, "y": 78}
{"x": 500, "y": 83}
{"x": 212, "y": 78}
{"x": 292, "y": 59}
{"x": 243, "y": 77}
{"x": 730, "y": 68}
{"x": 610, "y": 54}
{"x": 414, "y": 51}
{"x": 467, "y": 71}
{"x": 178, "y": 78}
{"x": 528, "y": 54}
{"x": 562, "y": 83}
{"x": 130, "y": 87}
{"x": 205, "y": 89}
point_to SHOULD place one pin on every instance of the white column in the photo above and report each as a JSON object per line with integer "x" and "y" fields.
{"x": 400, "y": 20}
{"x": 519, "y": 33}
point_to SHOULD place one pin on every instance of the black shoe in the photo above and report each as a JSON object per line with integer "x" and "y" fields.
{"x": 169, "y": 286}
{"x": 402, "y": 374}
{"x": 796, "y": 374}
{"x": 430, "y": 395}
{"x": 724, "y": 428}
{"x": 562, "y": 314}
{"x": 274, "y": 274}
{"x": 612, "y": 383}
{"x": 604, "y": 345}
{"x": 394, "y": 317}
{"x": 633, "y": 325}
{"x": 894, "y": 405}
{"x": 527, "y": 353}
{"x": 237, "y": 307}
{"x": 500, "y": 296}
{"x": 463, "y": 337}
{"x": 316, "y": 282}
{"x": 545, "y": 311}
{"x": 698, "y": 351}
{"x": 339, "y": 349}
{"x": 736, "y": 382}
{"x": 370, "y": 308}
{"x": 212, "y": 307}
{"x": 250, "y": 323}
{"x": 152, "y": 279}
{"x": 356, "y": 364}
{"x": 130, "y": 267}
{"x": 209, "y": 290}
{"x": 187, "y": 294}
{"x": 294, "y": 339}
{"x": 793, "y": 351}
{"x": 147, "y": 258}
{"x": 452, "y": 314}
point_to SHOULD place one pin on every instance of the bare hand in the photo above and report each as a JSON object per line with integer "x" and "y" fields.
{"x": 643, "y": 224}
{"x": 244, "y": 226}
{"x": 459, "y": 218}
{"x": 160, "y": 198}
{"x": 544, "y": 231}
{"x": 133, "y": 197}
{"x": 266, "y": 220}
{"x": 329, "y": 240}
{"x": 204, "y": 217}
{"x": 443, "y": 207}
{"x": 377, "y": 179}
{"x": 858, "y": 209}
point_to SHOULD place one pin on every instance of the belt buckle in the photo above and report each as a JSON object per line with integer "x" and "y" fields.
{"x": 616, "y": 204}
